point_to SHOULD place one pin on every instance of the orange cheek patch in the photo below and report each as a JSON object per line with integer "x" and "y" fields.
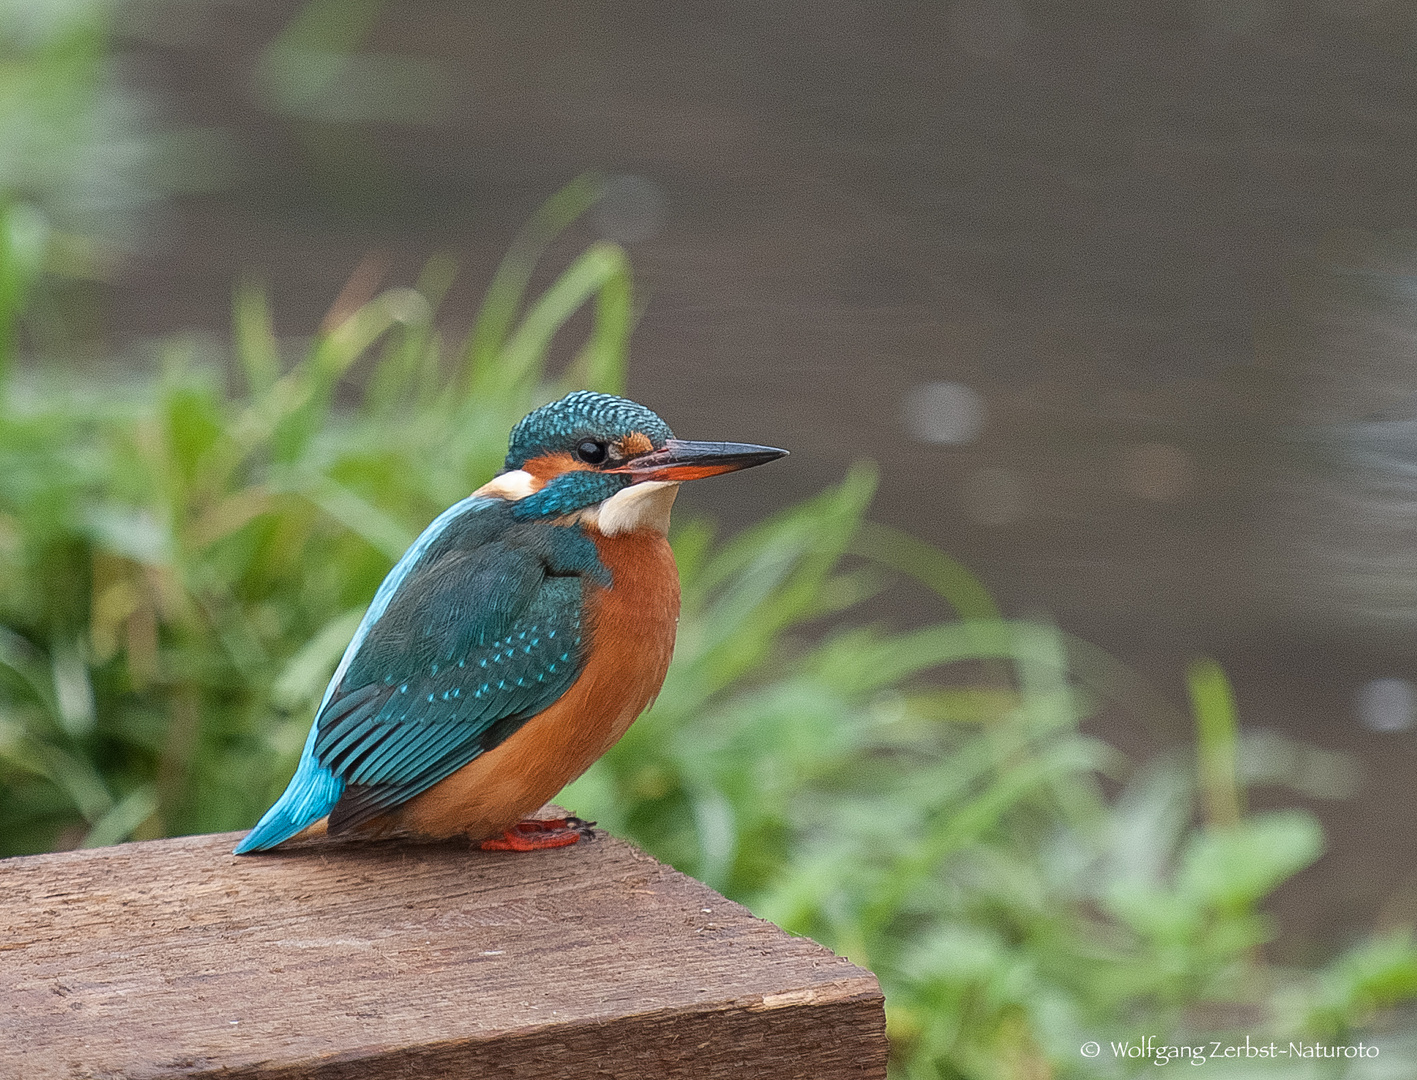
{"x": 546, "y": 468}
{"x": 635, "y": 443}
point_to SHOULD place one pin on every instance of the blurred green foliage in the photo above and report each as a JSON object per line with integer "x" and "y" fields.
{"x": 84, "y": 162}
{"x": 74, "y": 152}
{"x": 182, "y": 562}
{"x": 953, "y": 836}
{"x": 183, "y": 559}
{"x": 73, "y": 142}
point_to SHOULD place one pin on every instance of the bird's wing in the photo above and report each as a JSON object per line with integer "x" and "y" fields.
{"x": 471, "y": 580}
{"x": 470, "y": 646}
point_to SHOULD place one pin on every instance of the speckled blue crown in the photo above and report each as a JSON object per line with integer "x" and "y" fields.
{"x": 583, "y": 414}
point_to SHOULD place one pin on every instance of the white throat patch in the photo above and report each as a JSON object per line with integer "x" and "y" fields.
{"x": 645, "y": 505}
{"x": 513, "y": 485}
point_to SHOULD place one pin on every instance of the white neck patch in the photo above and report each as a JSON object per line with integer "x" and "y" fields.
{"x": 512, "y": 486}
{"x": 645, "y": 505}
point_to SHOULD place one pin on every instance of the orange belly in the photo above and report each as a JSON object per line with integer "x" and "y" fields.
{"x": 632, "y": 639}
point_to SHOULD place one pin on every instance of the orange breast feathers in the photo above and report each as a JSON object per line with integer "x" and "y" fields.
{"x": 632, "y": 626}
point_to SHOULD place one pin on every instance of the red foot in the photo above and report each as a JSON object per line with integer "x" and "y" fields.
{"x": 538, "y": 835}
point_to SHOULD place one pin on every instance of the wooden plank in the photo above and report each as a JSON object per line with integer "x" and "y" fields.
{"x": 342, "y": 962}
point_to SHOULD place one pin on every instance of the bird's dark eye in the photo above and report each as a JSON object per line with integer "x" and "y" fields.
{"x": 590, "y": 451}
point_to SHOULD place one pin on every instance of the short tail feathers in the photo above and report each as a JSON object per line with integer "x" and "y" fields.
{"x": 310, "y": 795}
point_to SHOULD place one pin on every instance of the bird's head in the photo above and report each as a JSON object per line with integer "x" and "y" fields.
{"x": 609, "y": 460}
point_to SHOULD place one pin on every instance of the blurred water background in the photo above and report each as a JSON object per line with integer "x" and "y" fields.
{"x": 1121, "y": 298}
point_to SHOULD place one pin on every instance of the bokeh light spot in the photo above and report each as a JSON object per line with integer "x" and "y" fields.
{"x": 1387, "y": 705}
{"x": 945, "y": 412}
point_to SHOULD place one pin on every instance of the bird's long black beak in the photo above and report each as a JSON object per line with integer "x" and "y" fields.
{"x": 679, "y": 460}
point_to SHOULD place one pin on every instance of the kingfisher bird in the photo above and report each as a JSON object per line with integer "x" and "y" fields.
{"x": 513, "y": 643}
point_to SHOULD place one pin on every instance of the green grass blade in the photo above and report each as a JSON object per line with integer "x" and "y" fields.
{"x": 498, "y": 313}
{"x": 600, "y": 267}
{"x": 254, "y": 337}
{"x": 24, "y": 240}
{"x": 123, "y": 817}
{"x": 903, "y": 553}
{"x": 1218, "y": 741}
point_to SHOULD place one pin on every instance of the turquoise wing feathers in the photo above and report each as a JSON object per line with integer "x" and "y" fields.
{"x": 475, "y": 630}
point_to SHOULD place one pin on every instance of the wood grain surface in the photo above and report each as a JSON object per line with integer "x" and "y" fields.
{"x": 176, "y": 959}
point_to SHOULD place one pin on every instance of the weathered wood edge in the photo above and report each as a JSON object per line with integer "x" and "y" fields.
{"x": 830, "y": 1030}
{"x": 837, "y": 1036}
